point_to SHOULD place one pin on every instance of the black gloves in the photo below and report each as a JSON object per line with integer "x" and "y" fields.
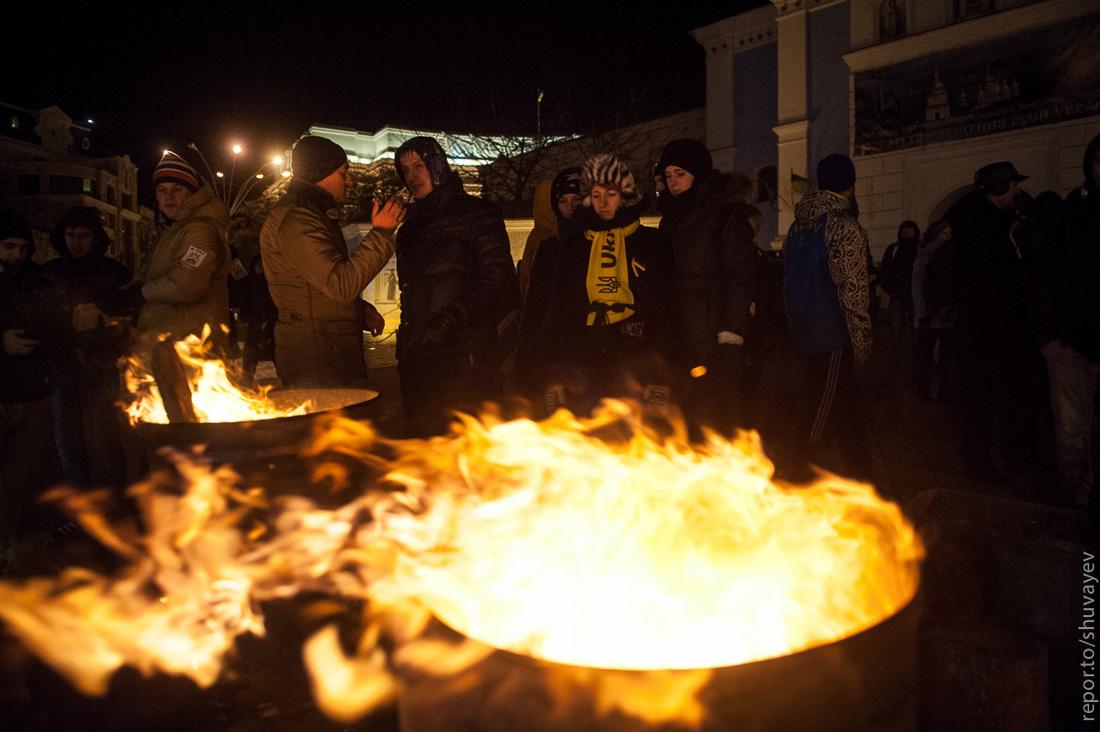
{"x": 442, "y": 325}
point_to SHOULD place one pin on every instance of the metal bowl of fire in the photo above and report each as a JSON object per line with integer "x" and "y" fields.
{"x": 569, "y": 574}
{"x": 183, "y": 398}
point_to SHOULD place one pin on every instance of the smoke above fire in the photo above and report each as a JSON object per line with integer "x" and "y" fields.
{"x": 586, "y": 543}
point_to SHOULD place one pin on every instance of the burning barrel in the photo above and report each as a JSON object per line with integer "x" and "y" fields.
{"x": 865, "y": 682}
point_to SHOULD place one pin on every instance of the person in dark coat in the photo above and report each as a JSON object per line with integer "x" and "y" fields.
{"x": 458, "y": 284}
{"x": 602, "y": 305}
{"x": 707, "y": 223}
{"x": 895, "y": 275}
{"x": 87, "y": 423}
{"x": 1066, "y": 323}
{"x": 996, "y": 359}
{"x": 35, "y": 339}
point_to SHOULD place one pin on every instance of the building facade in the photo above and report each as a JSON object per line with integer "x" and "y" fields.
{"x": 47, "y": 164}
{"x": 921, "y": 93}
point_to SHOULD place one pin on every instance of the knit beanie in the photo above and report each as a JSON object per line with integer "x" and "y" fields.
{"x": 567, "y": 181}
{"x": 174, "y": 169}
{"x": 315, "y": 158}
{"x": 611, "y": 172}
{"x": 691, "y": 155}
{"x": 836, "y": 173}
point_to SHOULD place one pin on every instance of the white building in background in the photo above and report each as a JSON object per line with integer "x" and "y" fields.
{"x": 921, "y": 93}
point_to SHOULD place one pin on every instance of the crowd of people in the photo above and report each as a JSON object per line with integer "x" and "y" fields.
{"x": 999, "y": 299}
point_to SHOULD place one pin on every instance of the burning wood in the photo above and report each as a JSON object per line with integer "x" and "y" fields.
{"x": 536, "y": 538}
{"x": 184, "y": 382}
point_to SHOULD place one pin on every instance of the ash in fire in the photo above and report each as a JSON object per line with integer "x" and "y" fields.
{"x": 582, "y": 542}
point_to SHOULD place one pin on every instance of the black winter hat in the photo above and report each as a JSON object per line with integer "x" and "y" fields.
{"x": 836, "y": 173}
{"x": 316, "y": 158}
{"x": 86, "y": 216}
{"x": 433, "y": 155}
{"x": 567, "y": 181}
{"x": 691, "y": 155}
{"x": 995, "y": 177}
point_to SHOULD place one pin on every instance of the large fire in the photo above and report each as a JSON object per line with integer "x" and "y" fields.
{"x": 214, "y": 395}
{"x": 584, "y": 542}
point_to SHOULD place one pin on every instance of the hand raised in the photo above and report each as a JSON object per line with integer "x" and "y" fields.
{"x": 388, "y": 216}
{"x": 16, "y": 345}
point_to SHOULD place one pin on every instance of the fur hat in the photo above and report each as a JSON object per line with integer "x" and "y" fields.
{"x": 316, "y": 158}
{"x": 611, "y": 172}
{"x": 174, "y": 169}
{"x": 691, "y": 155}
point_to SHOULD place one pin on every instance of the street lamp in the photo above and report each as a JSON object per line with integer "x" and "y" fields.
{"x": 236, "y": 148}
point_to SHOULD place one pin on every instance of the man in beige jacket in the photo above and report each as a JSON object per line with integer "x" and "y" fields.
{"x": 185, "y": 283}
{"x": 315, "y": 283}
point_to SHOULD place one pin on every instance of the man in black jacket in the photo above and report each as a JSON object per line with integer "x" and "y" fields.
{"x": 1066, "y": 323}
{"x": 458, "y": 282}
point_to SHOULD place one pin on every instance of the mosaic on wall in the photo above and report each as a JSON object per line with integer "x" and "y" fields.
{"x": 1038, "y": 78}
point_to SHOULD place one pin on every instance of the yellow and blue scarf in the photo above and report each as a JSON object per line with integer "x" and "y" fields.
{"x": 608, "y": 279}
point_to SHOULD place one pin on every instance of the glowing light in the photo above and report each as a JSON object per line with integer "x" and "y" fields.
{"x": 285, "y": 174}
{"x": 538, "y": 538}
{"x": 237, "y": 149}
{"x": 214, "y": 396}
{"x": 277, "y": 160}
{"x": 90, "y": 121}
{"x": 259, "y": 176}
{"x": 220, "y": 174}
{"x": 698, "y": 372}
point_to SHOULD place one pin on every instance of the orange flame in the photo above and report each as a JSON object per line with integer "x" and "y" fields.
{"x": 537, "y": 538}
{"x": 215, "y": 397}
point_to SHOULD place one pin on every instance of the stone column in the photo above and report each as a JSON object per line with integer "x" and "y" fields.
{"x": 720, "y": 101}
{"x": 793, "y": 129}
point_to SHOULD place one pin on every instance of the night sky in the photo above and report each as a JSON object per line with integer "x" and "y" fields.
{"x": 157, "y": 75}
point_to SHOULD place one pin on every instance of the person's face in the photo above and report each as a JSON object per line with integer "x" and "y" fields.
{"x": 944, "y": 236}
{"x": 568, "y": 204}
{"x": 337, "y": 183}
{"x": 13, "y": 250}
{"x": 417, "y": 177}
{"x": 1008, "y": 198}
{"x": 79, "y": 240}
{"x": 678, "y": 180}
{"x": 754, "y": 224}
{"x": 606, "y": 202}
{"x": 170, "y": 197}
{"x": 908, "y": 233}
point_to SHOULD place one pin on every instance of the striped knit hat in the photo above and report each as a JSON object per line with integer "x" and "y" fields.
{"x": 611, "y": 172}
{"x": 174, "y": 169}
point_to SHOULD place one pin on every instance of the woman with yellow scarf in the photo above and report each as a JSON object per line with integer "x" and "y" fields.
{"x": 600, "y": 317}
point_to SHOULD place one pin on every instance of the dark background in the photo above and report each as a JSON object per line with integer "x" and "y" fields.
{"x": 156, "y": 75}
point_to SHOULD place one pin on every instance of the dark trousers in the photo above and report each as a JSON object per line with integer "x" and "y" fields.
{"x": 433, "y": 389}
{"x": 28, "y": 464}
{"x": 833, "y": 413}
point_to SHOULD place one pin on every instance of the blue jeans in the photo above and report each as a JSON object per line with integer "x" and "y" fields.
{"x": 1073, "y": 384}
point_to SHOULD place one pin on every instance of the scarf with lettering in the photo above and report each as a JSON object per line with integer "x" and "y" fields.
{"x": 608, "y": 280}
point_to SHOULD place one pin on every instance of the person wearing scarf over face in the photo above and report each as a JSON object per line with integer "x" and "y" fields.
{"x": 707, "y": 223}
{"x": 610, "y": 312}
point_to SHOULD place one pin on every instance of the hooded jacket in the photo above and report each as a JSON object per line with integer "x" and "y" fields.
{"x": 712, "y": 242}
{"x": 185, "y": 285}
{"x": 827, "y": 291}
{"x": 452, "y": 252}
{"x": 546, "y": 226}
{"x": 316, "y": 287}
